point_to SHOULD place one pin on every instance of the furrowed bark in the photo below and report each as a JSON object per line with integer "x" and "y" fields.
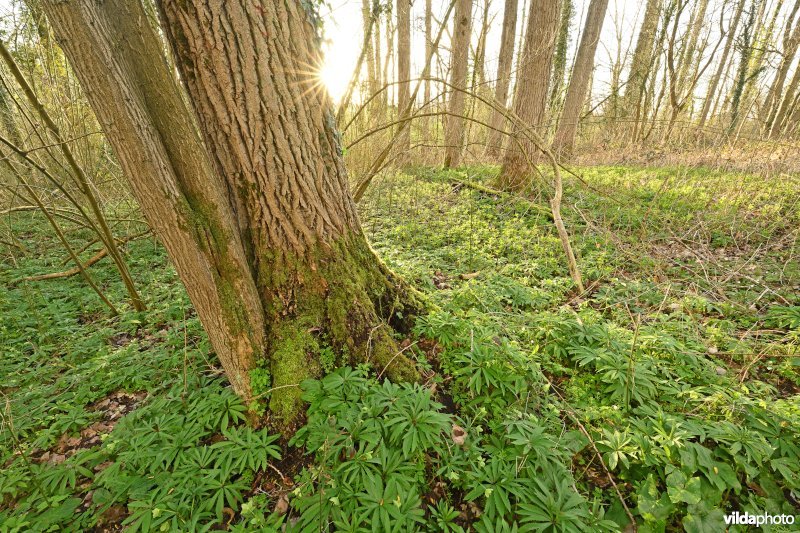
{"x": 248, "y": 67}
{"x": 117, "y": 58}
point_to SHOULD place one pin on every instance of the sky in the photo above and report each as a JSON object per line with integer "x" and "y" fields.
{"x": 344, "y": 33}
{"x": 344, "y": 36}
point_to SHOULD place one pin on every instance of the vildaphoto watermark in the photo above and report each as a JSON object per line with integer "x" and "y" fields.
{"x": 746, "y": 519}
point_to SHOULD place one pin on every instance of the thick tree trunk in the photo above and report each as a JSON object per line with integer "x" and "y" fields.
{"x": 504, "y": 65}
{"x": 403, "y": 8}
{"x": 642, "y": 60}
{"x": 530, "y": 101}
{"x": 276, "y": 147}
{"x": 265, "y": 234}
{"x": 579, "y": 81}
{"x": 713, "y": 84}
{"x": 459, "y": 53}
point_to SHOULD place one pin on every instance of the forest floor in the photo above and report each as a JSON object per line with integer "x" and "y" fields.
{"x": 666, "y": 393}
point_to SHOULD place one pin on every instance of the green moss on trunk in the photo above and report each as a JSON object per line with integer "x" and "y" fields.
{"x": 340, "y": 299}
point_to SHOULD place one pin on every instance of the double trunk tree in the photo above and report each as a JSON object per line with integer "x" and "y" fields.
{"x": 256, "y": 216}
{"x": 533, "y": 82}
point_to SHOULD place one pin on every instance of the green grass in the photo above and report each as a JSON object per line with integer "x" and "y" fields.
{"x": 679, "y": 366}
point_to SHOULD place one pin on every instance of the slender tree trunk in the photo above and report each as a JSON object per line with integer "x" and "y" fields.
{"x": 271, "y": 210}
{"x": 370, "y": 27}
{"x": 560, "y": 56}
{"x": 504, "y": 64}
{"x": 786, "y": 105}
{"x": 144, "y": 116}
{"x": 426, "y": 74}
{"x": 81, "y": 179}
{"x": 530, "y": 101}
{"x": 403, "y": 8}
{"x": 641, "y": 63}
{"x": 713, "y": 84}
{"x": 791, "y": 42}
{"x": 745, "y": 54}
{"x": 579, "y": 81}
{"x": 459, "y": 53}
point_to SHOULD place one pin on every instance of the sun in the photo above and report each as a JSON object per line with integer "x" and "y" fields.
{"x": 335, "y": 78}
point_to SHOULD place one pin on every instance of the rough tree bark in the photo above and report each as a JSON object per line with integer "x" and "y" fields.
{"x": 564, "y": 140}
{"x": 459, "y": 53}
{"x": 264, "y": 232}
{"x": 505, "y": 61}
{"x": 530, "y": 100}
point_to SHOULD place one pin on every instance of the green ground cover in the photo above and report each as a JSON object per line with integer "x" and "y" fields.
{"x": 671, "y": 384}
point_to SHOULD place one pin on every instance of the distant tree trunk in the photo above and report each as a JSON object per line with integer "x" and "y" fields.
{"x": 785, "y": 108}
{"x": 426, "y": 74}
{"x": 791, "y": 41}
{"x": 264, "y": 234}
{"x": 369, "y": 16}
{"x": 713, "y": 84}
{"x": 479, "y": 80}
{"x": 579, "y": 81}
{"x": 504, "y": 64}
{"x": 403, "y": 70}
{"x": 745, "y": 53}
{"x": 387, "y": 63}
{"x": 641, "y": 63}
{"x": 560, "y": 56}
{"x": 459, "y": 53}
{"x": 376, "y": 45}
{"x": 530, "y": 100}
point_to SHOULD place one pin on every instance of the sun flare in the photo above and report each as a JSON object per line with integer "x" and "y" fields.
{"x": 335, "y": 78}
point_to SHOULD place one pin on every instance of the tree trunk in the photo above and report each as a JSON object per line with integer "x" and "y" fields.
{"x": 785, "y": 107}
{"x": 745, "y": 54}
{"x": 530, "y": 101}
{"x": 713, "y": 84}
{"x": 459, "y": 53}
{"x": 579, "y": 81}
{"x": 270, "y": 242}
{"x": 118, "y": 60}
{"x": 370, "y": 22}
{"x": 791, "y": 42}
{"x": 642, "y": 60}
{"x": 403, "y": 70}
{"x": 504, "y": 64}
{"x": 426, "y": 74}
{"x": 560, "y": 56}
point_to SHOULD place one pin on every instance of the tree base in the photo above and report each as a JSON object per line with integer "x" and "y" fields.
{"x": 337, "y": 306}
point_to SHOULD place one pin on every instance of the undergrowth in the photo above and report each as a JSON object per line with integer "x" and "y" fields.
{"x": 667, "y": 392}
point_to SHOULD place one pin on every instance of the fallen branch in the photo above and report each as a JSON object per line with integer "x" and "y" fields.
{"x": 71, "y": 272}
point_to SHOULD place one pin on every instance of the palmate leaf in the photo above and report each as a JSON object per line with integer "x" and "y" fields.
{"x": 556, "y": 508}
